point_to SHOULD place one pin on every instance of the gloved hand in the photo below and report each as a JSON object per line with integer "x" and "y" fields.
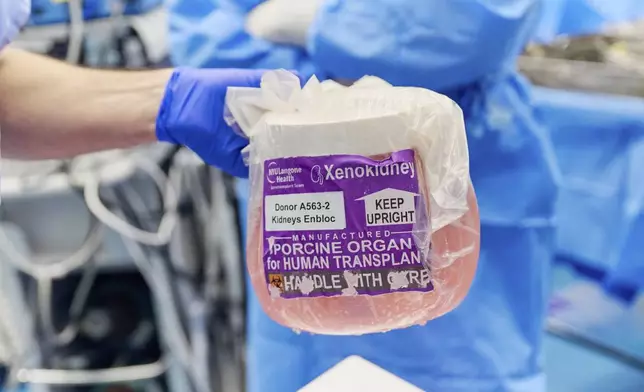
{"x": 192, "y": 115}
{"x": 284, "y": 22}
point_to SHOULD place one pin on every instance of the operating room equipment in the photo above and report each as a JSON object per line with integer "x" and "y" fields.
{"x": 184, "y": 308}
{"x": 105, "y": 33}
{"x": 607, "y": 62}
{"x": 116, "y": 215}
{"x": 27, "y": 196}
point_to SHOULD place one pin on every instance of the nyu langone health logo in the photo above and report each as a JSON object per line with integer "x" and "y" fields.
{"x": 278, "y": 175}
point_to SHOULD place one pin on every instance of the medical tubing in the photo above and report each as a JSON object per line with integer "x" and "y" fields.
{"x": 6, "y": 340}
{"x": 125, "y": 197}
{"x": 177, "y": 341}
{"x": 89, "y": 377}
{"x": 189, "y": 175}
{"x": 76, "y": 27}
{"x": 198, "y": 196}
{"x": 168, "y": 221}
{"x": 160, "y": 283}
{"x": 160, "y": 286}
{"x": 186, "y": 294}
{"x": 53, "y": 270}
{"x": 81, "y": 294}
{"x": 231, "y": 259}
{"x": 44, "y": 294}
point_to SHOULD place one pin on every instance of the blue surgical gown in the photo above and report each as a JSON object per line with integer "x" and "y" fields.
{"x": 465, "y": 49}
{"x": 599, "y": 142}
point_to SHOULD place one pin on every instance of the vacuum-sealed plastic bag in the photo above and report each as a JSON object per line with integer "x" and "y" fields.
{"x": 362, "y": 216}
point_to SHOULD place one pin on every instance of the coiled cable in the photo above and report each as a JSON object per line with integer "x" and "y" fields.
{"x": 122, "y": 227}
{"x": 57, "y": 269}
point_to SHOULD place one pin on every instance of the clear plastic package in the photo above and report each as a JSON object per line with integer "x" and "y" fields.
{"x": 362, "y": 216}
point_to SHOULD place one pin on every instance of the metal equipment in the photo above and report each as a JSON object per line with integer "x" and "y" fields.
{"x": 612, "y": 62}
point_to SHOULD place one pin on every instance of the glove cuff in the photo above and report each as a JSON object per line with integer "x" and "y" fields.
{"x": 163, "y": 132}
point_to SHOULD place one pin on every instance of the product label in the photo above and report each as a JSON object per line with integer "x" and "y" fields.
{"x": 344, "y": 225}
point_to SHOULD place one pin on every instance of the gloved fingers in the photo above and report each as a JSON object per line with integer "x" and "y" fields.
{"x": 239, "y": 168}
{"x": 253, "y": 77}
{"x": 244, "y": 77}
{"x": 192, "y": 114}
{"x": 225, "y": 153}
{"x": 235, "y": 165}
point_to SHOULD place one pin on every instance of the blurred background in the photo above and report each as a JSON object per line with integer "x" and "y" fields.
{"x": 160, "y": 305}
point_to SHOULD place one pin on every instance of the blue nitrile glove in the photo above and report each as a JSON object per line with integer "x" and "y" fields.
{"x": 192, "y": 115}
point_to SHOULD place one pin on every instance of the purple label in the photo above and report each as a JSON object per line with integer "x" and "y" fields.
{"x": 344, "y": 225}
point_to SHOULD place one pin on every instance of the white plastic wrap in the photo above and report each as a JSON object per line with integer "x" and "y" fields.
{"x": 362, "y": 217}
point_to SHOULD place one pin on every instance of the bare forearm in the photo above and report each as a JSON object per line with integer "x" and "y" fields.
{"x": 49, "y": 109}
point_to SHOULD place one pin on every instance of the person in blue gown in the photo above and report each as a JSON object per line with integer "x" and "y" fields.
{"x": 465, "y": 49}
{"x": 598, "y": 143}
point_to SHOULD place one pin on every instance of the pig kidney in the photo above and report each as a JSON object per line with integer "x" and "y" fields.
{"x": 365, "y": 220}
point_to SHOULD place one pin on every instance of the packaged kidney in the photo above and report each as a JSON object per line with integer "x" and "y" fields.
{"x": 362, "y": 216}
